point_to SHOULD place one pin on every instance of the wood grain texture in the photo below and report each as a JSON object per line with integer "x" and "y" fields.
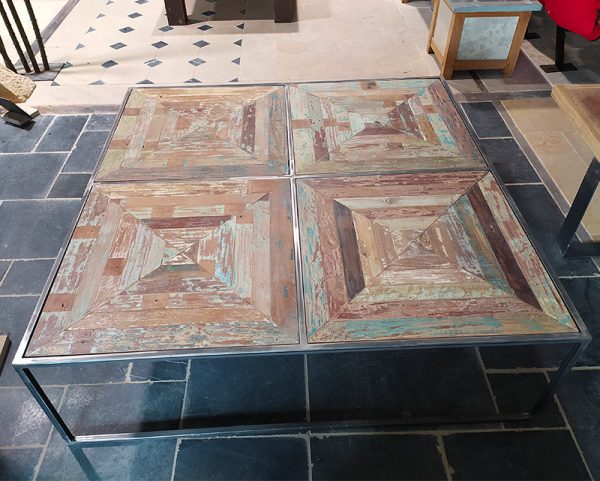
{"x": 156, "y": 266}
{"x": 378, "y": 126}
{"x": 582, "y": 104}
{"x": 419, "y": 256}
{"x": 182, "y": 133}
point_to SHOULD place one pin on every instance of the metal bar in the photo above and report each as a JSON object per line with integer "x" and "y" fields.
{"x": 40, "y": 396}
{"x": 38, "y": 35}
{"x": 579, "y": 207}
{"x": 13, "y": 37}
{"x": 565, "y": 367}
{"x": 21, "y": 30}
{"x": 559, "y": 64}
{"x": 5, "y": 56}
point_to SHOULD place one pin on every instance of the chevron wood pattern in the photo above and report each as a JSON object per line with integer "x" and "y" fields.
{"x": 378, "y": 126}
{"x": 419, "y": 256}
{"x": 182, "y": 133}
{"x": 175, "y": 265}
{"x": 188, "y": 240}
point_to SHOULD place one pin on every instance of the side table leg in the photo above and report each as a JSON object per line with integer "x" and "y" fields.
{"x": 582, "y": 200}
{"x": 284, "y": 11}
{"x": 176, "y": 12}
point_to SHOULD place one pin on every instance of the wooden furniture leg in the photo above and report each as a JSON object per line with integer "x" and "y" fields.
{"x": 176, "y": 12}
{"x": 284, "y": 11}
{"x": 451, "y": 53}
{"x": 515, "y": 48}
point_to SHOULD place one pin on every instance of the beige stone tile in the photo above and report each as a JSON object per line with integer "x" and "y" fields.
{"x": 216, "y": 72}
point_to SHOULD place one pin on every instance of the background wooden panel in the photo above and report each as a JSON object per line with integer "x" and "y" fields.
{"x": 419, "y": 256}
{"x": 175, "y": 265}
{"x": 378, "y": 126}
{"x": 182, "y": 133}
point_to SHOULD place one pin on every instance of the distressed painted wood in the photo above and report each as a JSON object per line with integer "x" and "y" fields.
{"x": 419, "y": 256}
{"x": 156, "y": 266}
{"x": 182, "y": 133}
{"x": 378, "y": 126}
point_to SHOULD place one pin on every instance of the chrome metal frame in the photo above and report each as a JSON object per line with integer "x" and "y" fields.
{"x": 24, "y": 364}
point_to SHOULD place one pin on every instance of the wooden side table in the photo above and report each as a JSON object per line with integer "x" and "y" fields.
{"x": 479, "y": 34}
{"x": 582, "y": 105}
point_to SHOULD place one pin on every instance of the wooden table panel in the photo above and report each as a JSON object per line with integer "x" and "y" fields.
{"x": 378, "y": 126}
{"x": 155, "y": 266}
{"x": 183, "y": 133}
{"x": 419, "y": 256}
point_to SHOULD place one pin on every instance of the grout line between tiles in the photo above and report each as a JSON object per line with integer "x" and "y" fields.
{"x": 185, "y": 392}
{"x": 487, "y": 380}
{"x": 441, "y": 447}
{"x": 175, "y": 454}
{"x": 309, "y": 457}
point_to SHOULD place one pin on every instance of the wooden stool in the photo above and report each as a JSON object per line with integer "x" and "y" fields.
{"x": 468, "y": 35}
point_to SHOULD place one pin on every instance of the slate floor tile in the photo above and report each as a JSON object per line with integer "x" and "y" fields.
{"x": 245, "y": 390}
{"x": 585, "y": 294}
{"x": 35, "y": 229}
{"x": 580, "y": 398}
{"x": 87, "y": 152}
{"x": 17, "y": 139}
{"x": 367, "y": 385}
{"x": 514, "y": 455}
{"x": 409, "y": 457}
{"x": 101, "y": 122}
{"x": 26, "y": 277}
{"x": 486, "y": 120}
{"x": 18, "y": 464}
{"x": 22, "y": 420}
{"x": 158, "y": 370}
{"x": 140, "y": 461}
{"x": 517, "y": 393}
{"x": 28, "y": 176}
{"x": 544, "y": 220}
{"x": 15, "y": 313}
{"x": 513, "y": 357}
{"x": 510, "y": 161}
{"x": 62, "y": 133}
{"x": 269, "y": 458}
{"x": 69, "y": 186}
{"x": 82, "y": 374}
{"x": 110, "y": 408}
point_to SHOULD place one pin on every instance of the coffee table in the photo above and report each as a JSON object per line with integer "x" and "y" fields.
{"x": 293, "y": 219}
{"x": 284, "y": 11}
{"x": 582, "y": 105}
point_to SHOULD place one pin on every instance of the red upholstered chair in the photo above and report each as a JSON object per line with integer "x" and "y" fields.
{"x": 577, "y": 16}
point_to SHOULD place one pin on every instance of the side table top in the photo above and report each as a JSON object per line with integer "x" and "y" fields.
{"x": 465, "y": 6}
{"x": 582, "y": 104}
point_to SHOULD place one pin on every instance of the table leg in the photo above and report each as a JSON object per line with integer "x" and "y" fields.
{"x": 284, "y": 11}
{"x": 176, "y": 12}
{"x": 568, "y": 246}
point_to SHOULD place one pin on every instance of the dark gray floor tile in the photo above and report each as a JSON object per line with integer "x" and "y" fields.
{"x": 509, "y": 160}
{"x": 544, "y": 220}
{"x": 81, "y": 374}
{"x": 140, "y": 461}
{"x": 18, "y": 464}
{"x": 514, "y": 357}
{"x": 33, "y": 229}
{"x": 26, "y": 277}
{"x": 111, "y": 408}
{"x": 518, "y": 393}
{"x": 22, "y": 420}
{"x": 159, "y": 370}
{"x": 585, "y": 294}
{"x": 17, "y": 139}
{"x": 15, "y": 313}
{"x": 245, "y": 390}
{"x": 270, "y": 458}
{"x": 87, "y": 152}
{"x": 101, "y": 122}
{"x": 62, "y": 133}
{"x": 580, "y": 398}
{"x": 514, "y": 455}
{"x": 69, "y": 186}
{"x": 386, "y": 457}
{"x": 486, "y": 120}
{"x": 408, "y": 384}
{"x": 28, "y": 176}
